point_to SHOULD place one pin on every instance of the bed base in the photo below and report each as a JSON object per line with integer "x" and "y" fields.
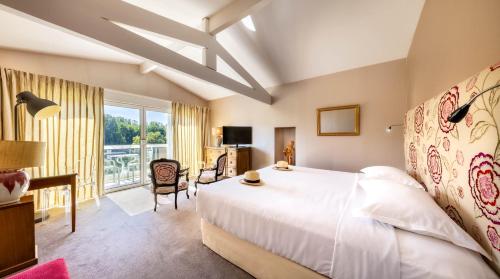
{"x": 259, "y": 262}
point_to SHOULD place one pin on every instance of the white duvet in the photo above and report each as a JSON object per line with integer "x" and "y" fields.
{"x": 304, "y": 215}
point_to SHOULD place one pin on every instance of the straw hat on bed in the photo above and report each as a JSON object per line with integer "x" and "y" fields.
{"x": 282, "y": 165}
{"x": 251, "y": 178}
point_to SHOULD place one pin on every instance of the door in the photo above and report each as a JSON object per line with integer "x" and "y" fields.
{"x": 156, "y": 145}
{"x": 133, "y": 136}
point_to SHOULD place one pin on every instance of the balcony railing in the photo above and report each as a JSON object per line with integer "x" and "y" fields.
{"x": 122, "y": 163}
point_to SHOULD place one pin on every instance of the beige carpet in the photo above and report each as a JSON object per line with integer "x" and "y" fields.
{"x": 109, "y": 243}
{"x": 137, "y": 200}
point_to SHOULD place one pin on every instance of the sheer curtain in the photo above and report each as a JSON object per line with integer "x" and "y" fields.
{"x": 74, "y": 137}
{"x": 190, "y": 134}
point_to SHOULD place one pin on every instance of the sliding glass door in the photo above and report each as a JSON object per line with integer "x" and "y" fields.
{"x": 156, "y": 138}
{"x": 133, "y": 136}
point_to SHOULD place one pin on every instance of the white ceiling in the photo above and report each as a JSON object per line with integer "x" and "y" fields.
{"x": 294, "y": 40}
{"x": 34, "y": 36}
{"x": 301, "y": 39}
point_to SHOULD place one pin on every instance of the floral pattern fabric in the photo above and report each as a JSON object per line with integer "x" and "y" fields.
{"x": 222, "y": 164}
{"x": 165, "y": 172}
{"x": 459, "y": 163}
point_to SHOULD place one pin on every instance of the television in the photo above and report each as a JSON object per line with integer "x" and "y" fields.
{"x": 236, "y": 135}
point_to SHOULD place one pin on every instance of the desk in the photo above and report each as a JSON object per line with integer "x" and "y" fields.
{"x": 61, "y": 180}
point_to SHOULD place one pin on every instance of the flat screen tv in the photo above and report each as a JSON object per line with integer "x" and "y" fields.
{"x": 236, "y": 135}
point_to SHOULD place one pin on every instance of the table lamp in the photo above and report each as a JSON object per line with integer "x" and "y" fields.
{"x": 14, "y": 156}
{"x": 217, "y": 132}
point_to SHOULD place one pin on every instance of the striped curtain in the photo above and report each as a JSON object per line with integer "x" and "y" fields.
{"x": 74, "y": 137}
{"x": 190, "y": 134}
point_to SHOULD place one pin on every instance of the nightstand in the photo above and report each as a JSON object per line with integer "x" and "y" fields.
{"x": 17, "y": 228}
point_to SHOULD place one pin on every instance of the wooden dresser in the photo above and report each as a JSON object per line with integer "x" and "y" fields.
{"x": 239, "y": 160}
{"x": 17, "y": 236}
{"x": 211, "y": 155}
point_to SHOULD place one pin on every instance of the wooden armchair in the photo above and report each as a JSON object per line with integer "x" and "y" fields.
{"x": 165, "y": 176}
{"x": 211, "y": 175}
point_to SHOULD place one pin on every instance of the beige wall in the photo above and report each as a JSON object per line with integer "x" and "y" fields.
{"x": 110, "y": 75}
{"x": 381, "y": 90}
{"x": 454, "y": 39}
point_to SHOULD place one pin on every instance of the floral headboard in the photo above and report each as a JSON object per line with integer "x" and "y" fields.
{"x": 459, "y": 164}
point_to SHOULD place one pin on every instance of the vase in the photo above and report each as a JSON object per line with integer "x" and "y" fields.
{"x": 13, "y": 185}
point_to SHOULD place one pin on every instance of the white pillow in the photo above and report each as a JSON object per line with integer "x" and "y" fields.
{"x": 431, "y": 258}
{"x": 413, "y": 210}
{"x": 391, "y": 173}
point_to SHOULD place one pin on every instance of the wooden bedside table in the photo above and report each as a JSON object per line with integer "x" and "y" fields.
{"x": 17, "y": 231}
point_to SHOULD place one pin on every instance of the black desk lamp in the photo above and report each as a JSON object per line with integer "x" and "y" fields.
{"x": 38, "y": 108}
{"x": 460, "y": 112}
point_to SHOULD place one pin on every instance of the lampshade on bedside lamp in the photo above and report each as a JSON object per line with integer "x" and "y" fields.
{"x": 14, "y": 156}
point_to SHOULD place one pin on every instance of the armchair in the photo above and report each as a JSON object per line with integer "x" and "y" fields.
{"x": 165, "y": 176}
{"x": 211, "y": 175}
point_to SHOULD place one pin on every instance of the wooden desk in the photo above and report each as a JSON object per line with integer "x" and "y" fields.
{"x": 61, "y": 180}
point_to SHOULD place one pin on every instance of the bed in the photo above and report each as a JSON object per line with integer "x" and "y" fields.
{"x": 300, "y": 224}
{"x": 295, "y": 215}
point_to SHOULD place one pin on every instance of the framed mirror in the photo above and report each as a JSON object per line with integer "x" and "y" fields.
{"x": 338, "y": 121}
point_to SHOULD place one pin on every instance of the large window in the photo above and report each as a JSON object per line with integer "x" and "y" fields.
{"x": 133, "y": 136}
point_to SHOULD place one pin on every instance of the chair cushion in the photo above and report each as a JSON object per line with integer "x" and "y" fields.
{"x": 207, "y": 177}
{"x": 183, "y": 185}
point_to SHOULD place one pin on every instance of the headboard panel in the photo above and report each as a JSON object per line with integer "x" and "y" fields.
{"x": 459, "y": 164}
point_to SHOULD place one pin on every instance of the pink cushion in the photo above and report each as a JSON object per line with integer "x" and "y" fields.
{"x": 55, "y": 269}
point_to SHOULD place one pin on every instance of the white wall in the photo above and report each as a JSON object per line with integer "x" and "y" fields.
{"x": 381, "y": 90}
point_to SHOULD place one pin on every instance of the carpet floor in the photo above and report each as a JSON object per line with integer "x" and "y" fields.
{"x": 108, "y": 243}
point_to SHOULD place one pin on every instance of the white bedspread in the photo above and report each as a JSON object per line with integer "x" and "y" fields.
{"x": 296, "y": 215}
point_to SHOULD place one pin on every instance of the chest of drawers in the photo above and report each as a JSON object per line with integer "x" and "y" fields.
{"x": 239, "y": 160}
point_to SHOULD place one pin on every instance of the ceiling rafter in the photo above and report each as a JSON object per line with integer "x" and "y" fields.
{"x": 232, "y": 13}
{"x": 91, "y": 18}
{"x": 146, "y": 67}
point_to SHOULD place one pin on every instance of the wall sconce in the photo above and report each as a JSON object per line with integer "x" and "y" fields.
{"x": 460, "y": 112}
{"x": 389, "y": 128}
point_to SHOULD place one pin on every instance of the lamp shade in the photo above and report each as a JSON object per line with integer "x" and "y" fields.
{"x": 38, "y": 108}
{"x": 21, "y": 154}
{"x": 217, "y": 132}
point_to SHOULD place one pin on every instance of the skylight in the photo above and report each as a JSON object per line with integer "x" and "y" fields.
{"x": 248, "y": 22}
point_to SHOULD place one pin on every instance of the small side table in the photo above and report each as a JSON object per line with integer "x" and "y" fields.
{"x": 17, "y": 244}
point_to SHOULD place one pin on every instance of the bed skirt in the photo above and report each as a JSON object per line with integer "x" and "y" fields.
{"x": 259, "y": 262}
